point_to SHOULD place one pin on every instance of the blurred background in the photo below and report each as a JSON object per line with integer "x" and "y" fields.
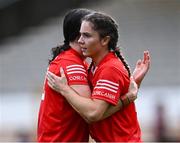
{"x": 30, "y": 28}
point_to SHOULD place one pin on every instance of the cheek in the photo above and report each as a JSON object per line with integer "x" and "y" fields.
{"x": 92, "y": 43}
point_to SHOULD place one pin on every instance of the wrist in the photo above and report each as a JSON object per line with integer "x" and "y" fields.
{"x": 125, "y": 100}
{"x": 65, "y": 90}
{"x": 138, "y": 82}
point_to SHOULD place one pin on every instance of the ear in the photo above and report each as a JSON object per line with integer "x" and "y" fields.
{"x": 105, "y": 40}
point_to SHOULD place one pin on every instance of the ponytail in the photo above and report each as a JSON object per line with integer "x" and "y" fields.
{"x": 121, "y": 57}
{"x": 55, "y": 51}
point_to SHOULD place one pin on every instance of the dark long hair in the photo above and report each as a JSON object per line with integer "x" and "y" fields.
{"x": 106, "y": 26}
{"x": 71, "y": 27}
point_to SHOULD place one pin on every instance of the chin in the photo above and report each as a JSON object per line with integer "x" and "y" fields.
{"x": 85, "y": 54}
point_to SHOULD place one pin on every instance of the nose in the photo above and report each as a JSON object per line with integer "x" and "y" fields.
{"x": 80, "y": 41}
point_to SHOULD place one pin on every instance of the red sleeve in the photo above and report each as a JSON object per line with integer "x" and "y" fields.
{"x": 76, "y": 74}
{"x": 109, "y": 85}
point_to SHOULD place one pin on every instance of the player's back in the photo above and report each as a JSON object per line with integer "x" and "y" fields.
{"x": 58, "y": 121}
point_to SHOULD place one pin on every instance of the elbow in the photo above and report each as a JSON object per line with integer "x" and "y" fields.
{"x": 94, "y": 116}
{"x": 92, "y": 119}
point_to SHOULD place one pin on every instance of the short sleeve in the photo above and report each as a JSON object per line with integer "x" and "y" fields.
{"x": 109, "y": 85}
{"x": 76, "y": 74}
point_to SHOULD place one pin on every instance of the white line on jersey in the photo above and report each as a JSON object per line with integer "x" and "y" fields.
{"x": 108, "y": 85}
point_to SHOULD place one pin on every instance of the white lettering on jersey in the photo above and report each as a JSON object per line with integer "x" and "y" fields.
{"x": 82, "y": 78}
{"x": 105, "y": 94}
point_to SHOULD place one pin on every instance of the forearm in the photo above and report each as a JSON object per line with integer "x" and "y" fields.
{"x": 112, "y": 109}
{"x": 82, "y": 115}
{"x": 123, "y": 102}
{"x": 86, "y": 107}
{"x": 138, "y": 82}
{"x": 77, "y": 96}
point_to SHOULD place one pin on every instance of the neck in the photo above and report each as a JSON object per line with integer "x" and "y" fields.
{"x": 97, "y": 59}
{"x": 74, "y": 45}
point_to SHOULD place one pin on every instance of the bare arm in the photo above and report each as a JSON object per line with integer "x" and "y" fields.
{"x": 127, "y": 99}
{"x": 141, "y": 69}
{"x": 94, "y": 109}
{"x": 90, "y": 109}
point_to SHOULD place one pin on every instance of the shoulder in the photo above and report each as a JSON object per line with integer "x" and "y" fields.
{"x": 69, "y": 63}
{"x": 67, "y": 55}
{"x": 114, "y": 65}
{"x": 113, "y": 69}
{"x": 67, "y": 58}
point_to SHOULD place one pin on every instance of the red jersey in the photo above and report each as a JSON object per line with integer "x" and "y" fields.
{"x": 109, "y": 81}
{"x": 58, "y": 121}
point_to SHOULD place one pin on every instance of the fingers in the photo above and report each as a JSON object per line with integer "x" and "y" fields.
{"x": 56, "y": 82}
{"x": 146, "y": 58}
{"x": 62, "y": 72}
{"x": 50, "y": 79}
{"x": 138, "y": 62}
{"x": 63, "y": 76}
{"x": 50, "y": 76}
{"x": 50, "y": 84}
